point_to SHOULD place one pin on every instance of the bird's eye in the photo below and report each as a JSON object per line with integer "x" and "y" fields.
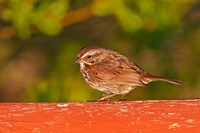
{"x": 89, "y": 56}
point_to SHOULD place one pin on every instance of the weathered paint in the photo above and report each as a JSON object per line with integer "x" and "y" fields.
{"x": 89, "y": 117}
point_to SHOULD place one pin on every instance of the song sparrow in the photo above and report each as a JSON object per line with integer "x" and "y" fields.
{"x": 113, "y": 73}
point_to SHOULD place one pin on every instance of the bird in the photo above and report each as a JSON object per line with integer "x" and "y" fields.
{"x": 113, "y": 73}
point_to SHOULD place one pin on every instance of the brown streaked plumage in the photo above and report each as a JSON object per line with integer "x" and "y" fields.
{"x": 113, "y": 73}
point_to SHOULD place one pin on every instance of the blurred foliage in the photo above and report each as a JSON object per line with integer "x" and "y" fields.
{"x": 40, "y": 40}
{"x": 45, "y": 15}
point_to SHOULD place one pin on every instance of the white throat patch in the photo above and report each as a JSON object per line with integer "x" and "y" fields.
{"x": 82, "y": 65}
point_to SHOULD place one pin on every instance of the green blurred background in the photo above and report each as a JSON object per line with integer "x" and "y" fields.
{"x": 39, "y": 40}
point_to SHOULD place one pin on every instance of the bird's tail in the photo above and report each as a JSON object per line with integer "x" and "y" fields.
{"x": 146, "y": 78}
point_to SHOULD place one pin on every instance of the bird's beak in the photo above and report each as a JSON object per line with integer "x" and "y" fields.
{"x": 77, "y": 60}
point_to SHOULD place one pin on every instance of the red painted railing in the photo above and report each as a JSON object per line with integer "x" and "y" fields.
{"x": 107, "y": 117}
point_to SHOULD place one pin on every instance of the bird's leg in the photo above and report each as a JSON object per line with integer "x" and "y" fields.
{"x": 106, "y": 97}
{"x": 122, "y": 97}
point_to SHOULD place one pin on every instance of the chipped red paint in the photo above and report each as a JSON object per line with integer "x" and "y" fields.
{"x": 127, "y": 116}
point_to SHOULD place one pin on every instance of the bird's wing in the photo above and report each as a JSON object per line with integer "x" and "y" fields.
{"x": 106, "y": 72}
{"x": 121, "y": 71}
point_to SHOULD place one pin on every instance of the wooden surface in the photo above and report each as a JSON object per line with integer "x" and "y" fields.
{"x": 96, "y": 117}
